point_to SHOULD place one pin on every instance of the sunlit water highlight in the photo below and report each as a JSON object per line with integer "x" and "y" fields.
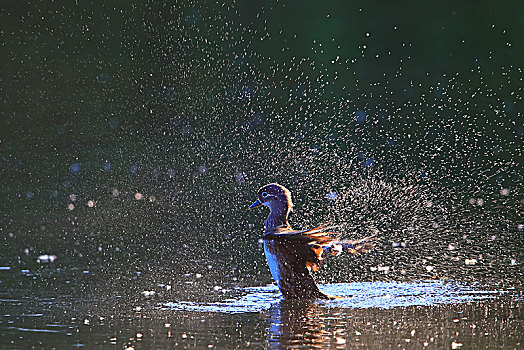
{"x": 381, "y": 295}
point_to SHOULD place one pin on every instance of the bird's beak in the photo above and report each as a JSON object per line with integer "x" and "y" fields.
{"x": 256, "y": 204}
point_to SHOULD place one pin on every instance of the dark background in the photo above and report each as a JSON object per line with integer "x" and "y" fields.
{"x": 169, "y": 117}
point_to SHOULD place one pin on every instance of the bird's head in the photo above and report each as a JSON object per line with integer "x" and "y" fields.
{"x": 274, "y": 196}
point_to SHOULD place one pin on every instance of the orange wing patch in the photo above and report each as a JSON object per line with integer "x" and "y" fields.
{"x": 312, "y": 266}
{"x": 310, "y": 242}
{"x": 315, "y": 264}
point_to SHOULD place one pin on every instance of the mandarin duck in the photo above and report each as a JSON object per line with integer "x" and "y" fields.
{"x": 293, "y": 254}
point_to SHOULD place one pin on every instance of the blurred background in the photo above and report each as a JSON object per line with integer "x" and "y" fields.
{"x": 134, "y": 135}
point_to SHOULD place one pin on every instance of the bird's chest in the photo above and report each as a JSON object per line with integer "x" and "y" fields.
{"x": 271, "y": 252}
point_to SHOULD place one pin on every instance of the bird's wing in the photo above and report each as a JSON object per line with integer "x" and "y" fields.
{"x": 320, "y": 235}
{"x": 297, "y": 252}
{"x": 353, "y": 247}
{"x": 294, "y": 259}
{"x": 306, "y": 245}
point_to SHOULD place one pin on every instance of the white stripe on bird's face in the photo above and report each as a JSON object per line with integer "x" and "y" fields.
{"x": 267, "y": 204}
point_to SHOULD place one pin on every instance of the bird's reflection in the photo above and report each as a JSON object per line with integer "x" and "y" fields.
{"x": 299, "y": 323}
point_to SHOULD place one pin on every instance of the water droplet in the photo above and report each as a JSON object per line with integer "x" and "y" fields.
{"x": 369, "y": 162}
{"x": 470, "y": 261}
{"x": 102, "y": 78}
{"x": 332, "y": 196}
{"x": 239, "y": 177}
{"x": 75, "y": 168}
{"x": 193, "y": 17}
{"x": 360, "y": 116}
{"x": 46, "y": 258}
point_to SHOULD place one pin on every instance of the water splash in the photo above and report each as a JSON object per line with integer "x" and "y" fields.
{"x": 381, "y": 295}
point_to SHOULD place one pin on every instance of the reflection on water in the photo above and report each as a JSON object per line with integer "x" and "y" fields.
{"x": 304, "y": 323}
{"x": 428, "y": 314}
{"x": 295, "y": 324}
{"x": 332, "y": 324}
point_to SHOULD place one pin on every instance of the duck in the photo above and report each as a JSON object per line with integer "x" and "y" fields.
{"x": 293, "y": 255}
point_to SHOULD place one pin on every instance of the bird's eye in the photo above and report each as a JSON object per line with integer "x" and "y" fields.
{"x": 264, "y": 194}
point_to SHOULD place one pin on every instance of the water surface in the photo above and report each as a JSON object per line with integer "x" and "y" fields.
{"x": 431, "y": 314}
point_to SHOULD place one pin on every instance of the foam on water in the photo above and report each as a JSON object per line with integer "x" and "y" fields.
{"x": 382, "y": 295}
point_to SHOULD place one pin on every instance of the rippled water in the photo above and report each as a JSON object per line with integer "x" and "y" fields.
{"x": 382, "y": 295}
{"x": 423, "y": 314}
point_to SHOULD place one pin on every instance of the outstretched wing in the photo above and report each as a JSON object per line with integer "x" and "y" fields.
{"x": 353, "y": 247}
{"x": 316, "y": 241}
{"x": 321, "y": 234}
{"x": 309, "y": 244}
